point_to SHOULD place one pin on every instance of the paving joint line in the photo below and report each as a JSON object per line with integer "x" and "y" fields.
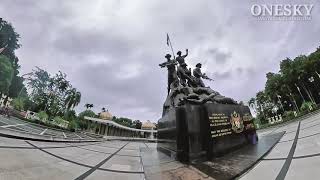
{"x": 43, "y": 131}
{"x": 12, "y": 125}
{"x": 284, "y": 170}
{"x": 81, "y": 164}
{"x": 86, "y": 174}
{"x": 104, "y": 152}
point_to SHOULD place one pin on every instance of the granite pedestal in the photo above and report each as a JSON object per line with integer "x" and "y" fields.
{"x": 192, "y": 132}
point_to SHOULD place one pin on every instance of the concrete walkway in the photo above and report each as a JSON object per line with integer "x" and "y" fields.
{"x": 296, "y": 156}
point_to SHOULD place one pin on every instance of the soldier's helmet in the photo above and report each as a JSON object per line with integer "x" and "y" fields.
{"x": 168, "y": 56}
{"x": 179, "y": 53}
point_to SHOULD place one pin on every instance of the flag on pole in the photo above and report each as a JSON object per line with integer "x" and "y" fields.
{"x": 168, "y": 40}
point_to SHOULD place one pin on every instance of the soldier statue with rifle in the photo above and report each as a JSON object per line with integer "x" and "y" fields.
{"x": 198, "y": 75}
{"x": 171, "y": 66}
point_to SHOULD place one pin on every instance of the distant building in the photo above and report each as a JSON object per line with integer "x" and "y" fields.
{"x": 148, "y": 126}
{"x": 105, "y": 115}
{"x": 104, "y": 125}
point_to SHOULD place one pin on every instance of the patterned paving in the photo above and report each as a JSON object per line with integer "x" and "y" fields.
{"x": 297, "y": 154}
{"x": 19, "y": 125}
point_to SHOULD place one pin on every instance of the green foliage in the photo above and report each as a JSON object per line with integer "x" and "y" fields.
{"x": 83, "y": 124}
{"x": 16, "y": 87}
{"x": 43, "y": 115}
{"x": 123, "y": 121}
{"x": 53, "y": 94}
{"x": 136, "y": 124}
{"x": 73, "y": 125}
{"x": 9, "y": 40}
{"x": 297, "y": 81}
{"x": 70, "y": 115}
{"x": 6, "y": 74}
{"x": 58, "y": 120}
{"x": 88, "y": 106}
{"x": 19, "y": 103}
{"x": 306, "y": 106}
{"x": 288, "y": 115}
{"x": 88, "y": 113}
{"x": 73, "y": 98}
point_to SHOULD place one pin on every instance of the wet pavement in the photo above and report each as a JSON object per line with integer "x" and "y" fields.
{"x": 295, "y": 156}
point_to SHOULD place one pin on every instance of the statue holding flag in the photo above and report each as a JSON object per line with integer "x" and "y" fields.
{"x": 186, "y": 87}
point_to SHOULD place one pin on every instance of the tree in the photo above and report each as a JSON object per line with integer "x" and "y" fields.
{"x": 123, "y": 121}
{"x": 136, "y": 124}
{"x": 38, "y": 83}
{"x": 70, "y": 115}
{"x": 6, "y": 74}
{"x": 83, "y": 124}
{"x": 9, "y": 40}
{"x": 88, "y": 106}
{"x": 73, "y": 98}
{"x": 53, "y": 94}
{"x": 297, "y": 82}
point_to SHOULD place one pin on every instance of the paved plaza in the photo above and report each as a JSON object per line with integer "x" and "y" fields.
{"x": 295, "y": 156}
{"x": 17, "y": 125}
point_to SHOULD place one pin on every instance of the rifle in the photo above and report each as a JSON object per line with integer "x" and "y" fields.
{"x": 204, "y": 76}
{"x": 165, "y": 64}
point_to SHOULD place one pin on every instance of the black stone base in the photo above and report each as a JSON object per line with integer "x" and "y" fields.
{"x": 236, "y": 163}
{"x": 193, "y": 132}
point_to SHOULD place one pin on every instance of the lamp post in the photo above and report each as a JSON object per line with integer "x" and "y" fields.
{"x": 312, "y": 81}
{"x": 279, "y": 100}
{"x": 307, "y": 91}
{"x": 24, "y": 75}
{"x": 300, "y": 92}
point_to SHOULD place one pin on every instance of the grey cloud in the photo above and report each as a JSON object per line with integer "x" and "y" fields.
{"x": 97, "y": 44}
{"x": 218, "y": 56}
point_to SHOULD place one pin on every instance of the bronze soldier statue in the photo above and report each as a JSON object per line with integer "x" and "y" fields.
{"x": 184, "y": 74}
{"x": 171, "y": 66}
{"x": 198, "y": 75}
{"x": 180, "y": 58}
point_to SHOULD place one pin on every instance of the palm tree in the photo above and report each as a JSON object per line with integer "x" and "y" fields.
{"x": 88, "y": 106}
{"x": 73, "y": 98}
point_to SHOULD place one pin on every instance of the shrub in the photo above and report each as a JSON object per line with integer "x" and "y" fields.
{"x": 18, "y": 103}
{"x": 73, "y": 125}
{"x": 288, "y": 115}
{"x": 58, "y": 120}
{"x": 43, "y": 116}
{"x": 306, "y": 106}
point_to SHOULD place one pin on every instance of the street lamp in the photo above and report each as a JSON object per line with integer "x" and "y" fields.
{"x": 311, "y": 80}
{"x": 307, "y": 91}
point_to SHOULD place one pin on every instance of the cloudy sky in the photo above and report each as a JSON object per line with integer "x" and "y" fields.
{"x": 110, "y": 49}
